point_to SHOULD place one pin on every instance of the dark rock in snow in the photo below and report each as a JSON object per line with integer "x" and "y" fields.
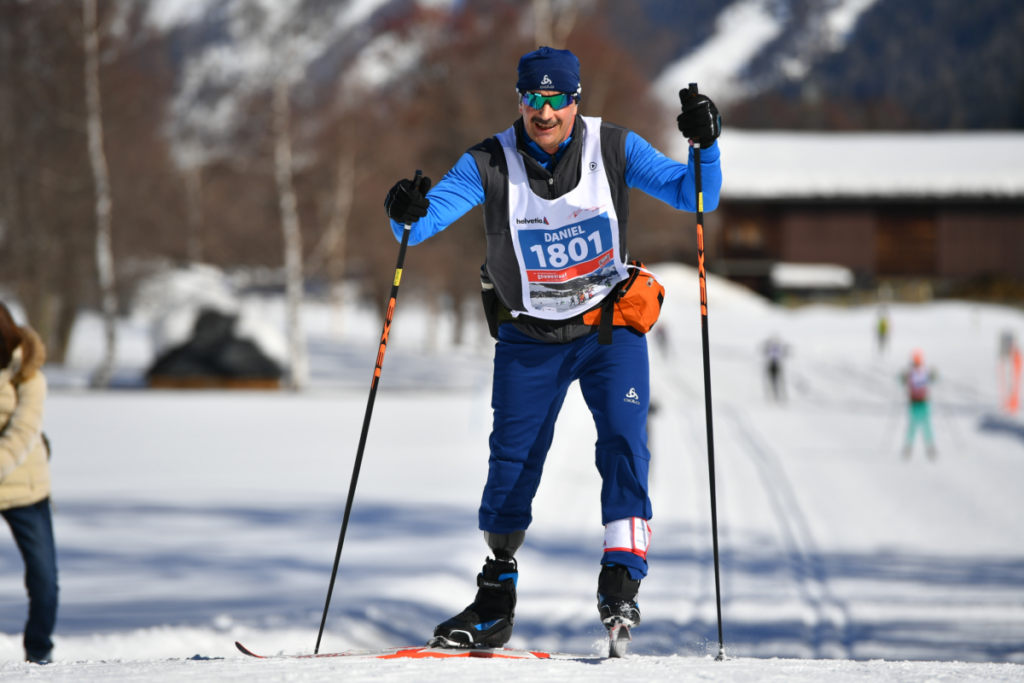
{"x": 215, "y": 358}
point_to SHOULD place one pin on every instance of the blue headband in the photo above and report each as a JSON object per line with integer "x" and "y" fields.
{"x": 549, "y": 69}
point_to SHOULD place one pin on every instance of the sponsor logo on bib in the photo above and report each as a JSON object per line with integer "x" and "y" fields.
{"x": 528, "y": 221}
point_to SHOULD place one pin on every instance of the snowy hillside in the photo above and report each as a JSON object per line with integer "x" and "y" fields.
{"x": 233, "y": 49}
{"x": 187, "y": 520}
{"x": 743, "y": 30}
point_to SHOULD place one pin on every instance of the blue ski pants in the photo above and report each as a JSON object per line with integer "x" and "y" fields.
{"x": 531, "y": 379}
{"x": 33, "y": 533}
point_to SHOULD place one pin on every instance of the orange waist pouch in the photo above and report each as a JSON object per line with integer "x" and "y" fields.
{"x": 635, "y": 302}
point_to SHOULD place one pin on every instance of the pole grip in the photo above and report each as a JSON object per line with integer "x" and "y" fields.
{"x": 696, "y": 145}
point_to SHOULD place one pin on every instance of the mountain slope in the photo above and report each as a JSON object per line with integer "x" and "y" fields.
{"x": 890, "y": 64}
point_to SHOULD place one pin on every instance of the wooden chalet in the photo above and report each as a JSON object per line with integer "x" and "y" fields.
{"x": 948, "y": 207}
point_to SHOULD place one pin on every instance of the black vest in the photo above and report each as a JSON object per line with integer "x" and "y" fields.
{"x": 501, "y": 269}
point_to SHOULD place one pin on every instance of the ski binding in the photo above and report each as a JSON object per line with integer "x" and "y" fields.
{"x": 619, "y": 636}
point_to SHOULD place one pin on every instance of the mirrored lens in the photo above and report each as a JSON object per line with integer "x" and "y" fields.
{"x": 537, "y": 101}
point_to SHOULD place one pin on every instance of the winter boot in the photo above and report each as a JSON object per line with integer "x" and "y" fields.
{"x": 616, "y": 596}
{"x": 488, "y": 621}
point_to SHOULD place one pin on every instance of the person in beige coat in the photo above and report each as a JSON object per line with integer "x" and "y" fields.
{"x": 25, "y": 477}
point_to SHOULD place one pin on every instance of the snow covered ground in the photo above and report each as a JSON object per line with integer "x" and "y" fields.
{"x": 188, "y": 520}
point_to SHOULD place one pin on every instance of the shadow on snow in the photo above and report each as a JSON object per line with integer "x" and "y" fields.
{"x": 264, "y": 580}
{"x": 1002, "y": 425}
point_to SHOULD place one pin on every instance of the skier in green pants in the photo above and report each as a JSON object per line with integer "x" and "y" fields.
{"x": 917, "y": 379}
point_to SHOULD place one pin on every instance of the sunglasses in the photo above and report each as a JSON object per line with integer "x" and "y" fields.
{"x": 535, "y": 100}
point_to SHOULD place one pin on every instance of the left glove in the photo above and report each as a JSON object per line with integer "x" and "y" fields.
{"x": 700, "y": 120}
{"x": 407, "y": 201}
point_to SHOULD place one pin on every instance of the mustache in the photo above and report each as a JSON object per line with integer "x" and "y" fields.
{"x": 536, "y": 120}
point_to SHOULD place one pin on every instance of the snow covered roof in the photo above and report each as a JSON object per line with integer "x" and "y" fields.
{"x": 811, "y": 276}
{"x": 799, "y": 165}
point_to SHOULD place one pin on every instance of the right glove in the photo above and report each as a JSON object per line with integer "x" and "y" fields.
{"x": 700, "y": 120}
{"x": 407, "y": 201}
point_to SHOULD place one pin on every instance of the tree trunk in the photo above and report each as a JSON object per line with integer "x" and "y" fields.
{"x": 551, "y": 30}
{"x": 542, "y": 22}
{"x": 565, "y": 23}
{"x": 298, "y": 372}
{"x": 9, "y": 218}
{"x": 194, "y": 198}
{"x": 433, "y": 320}
{"x": 64, "y": 323}
{"x": 600, "y": 84}
{"x": 330, "y": 251}
{"x": 459, "y": 319}
{"x": 101, "y": 181}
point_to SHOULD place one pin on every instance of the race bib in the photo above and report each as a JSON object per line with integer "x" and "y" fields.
{"x": 569, "y": 266}
{"x": 567, "y": 248}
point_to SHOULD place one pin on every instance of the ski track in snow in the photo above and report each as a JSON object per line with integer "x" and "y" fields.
{"x": 828, "y": 636}
{"x": 188, "y": 520}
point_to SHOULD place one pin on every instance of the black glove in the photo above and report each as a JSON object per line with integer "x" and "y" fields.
{"x": 700, "y": 120}
{"x": 407, "y": 201}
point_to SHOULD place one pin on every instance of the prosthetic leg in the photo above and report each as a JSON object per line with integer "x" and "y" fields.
{"x": 488, "y": 620}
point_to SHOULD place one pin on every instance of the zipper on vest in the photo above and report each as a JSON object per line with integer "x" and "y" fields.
{"x": 551, "y": 188}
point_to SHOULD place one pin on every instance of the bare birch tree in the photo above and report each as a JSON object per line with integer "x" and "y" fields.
{"x": 329, "y": 252}
{"x": 299, "y": 366}
{"x": 8, "y": 189}
{"x": 552, "y": 25}
{"x": 542, "y": 22}
{"x": 101, "y": 181}
{"x": 194, "y": 199}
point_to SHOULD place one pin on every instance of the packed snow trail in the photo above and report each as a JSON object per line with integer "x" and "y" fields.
{"x": 188, "y": 520}
{"x": 243, "y": 669}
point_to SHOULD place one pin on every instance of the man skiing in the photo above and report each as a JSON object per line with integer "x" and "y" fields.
{"x": 555, "y": 194}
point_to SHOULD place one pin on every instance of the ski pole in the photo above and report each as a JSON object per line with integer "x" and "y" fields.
{"x": 707, "y": 380}
{"x": 369, "y": 411}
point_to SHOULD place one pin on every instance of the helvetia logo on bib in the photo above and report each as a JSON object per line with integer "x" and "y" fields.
{"x": 632, "y": 397}
{"x": 546, "y": 81}
{"x": 528, "y": 221}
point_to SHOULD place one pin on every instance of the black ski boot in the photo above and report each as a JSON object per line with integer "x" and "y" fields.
{"x": 616, "y": 597}
{"x": 488, "y": 621}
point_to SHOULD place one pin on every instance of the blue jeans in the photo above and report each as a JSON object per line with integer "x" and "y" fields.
{"x": 531, "y": 379}
{"x": 33, "y": 532}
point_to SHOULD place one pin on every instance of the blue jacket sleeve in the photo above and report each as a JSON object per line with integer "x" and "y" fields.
{"x": 459, "y": 191}
{"x": 649, "y": 170}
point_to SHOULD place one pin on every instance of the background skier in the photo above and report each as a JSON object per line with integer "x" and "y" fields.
{"x": 555, "y": 194}
{"x": 1010, "y": 363}
{"x": 882, "y": 329}
{"x": 918, "y": 380}
{"x": 774, "y": 353}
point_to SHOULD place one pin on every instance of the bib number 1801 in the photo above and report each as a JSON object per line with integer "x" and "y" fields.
{"x": 558, "y": 255}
